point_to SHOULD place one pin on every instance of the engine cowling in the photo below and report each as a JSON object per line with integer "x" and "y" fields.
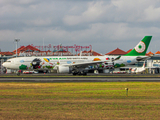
{"x": 63, "y": 69}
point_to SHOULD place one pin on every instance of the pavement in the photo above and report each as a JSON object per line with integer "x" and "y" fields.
{"x": 70, "y": 78}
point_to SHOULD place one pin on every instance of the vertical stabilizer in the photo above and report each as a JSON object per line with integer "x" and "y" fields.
{"x": 141, "y": 47}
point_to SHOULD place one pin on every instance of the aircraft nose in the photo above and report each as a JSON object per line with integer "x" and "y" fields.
{"x": 4, "y": 64}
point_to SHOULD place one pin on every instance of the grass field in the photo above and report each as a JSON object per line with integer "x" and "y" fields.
{"x": 104, "y": 100}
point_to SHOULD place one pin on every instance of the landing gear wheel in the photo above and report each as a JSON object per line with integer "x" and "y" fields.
{"x": 84, "y": 73}
{"x": 74, "y": 74}
{"x": 18, "y": 73}
{"x": 79, "y": 73}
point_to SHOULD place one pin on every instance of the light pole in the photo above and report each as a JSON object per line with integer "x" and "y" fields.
{"x": 16, "y": 40}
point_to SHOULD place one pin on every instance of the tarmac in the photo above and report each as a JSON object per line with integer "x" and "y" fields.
{"x": 89, "y": 78}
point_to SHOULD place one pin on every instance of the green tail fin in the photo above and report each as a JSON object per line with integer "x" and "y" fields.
{"x": 141, "y": 47}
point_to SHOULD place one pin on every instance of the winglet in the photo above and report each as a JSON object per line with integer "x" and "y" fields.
{"x": 141, "y": 47}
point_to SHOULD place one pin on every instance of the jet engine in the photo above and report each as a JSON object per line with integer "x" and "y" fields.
{"x": 63, "y": 69}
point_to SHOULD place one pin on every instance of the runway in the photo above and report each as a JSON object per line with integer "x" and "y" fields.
{"x": 79, "y": 79}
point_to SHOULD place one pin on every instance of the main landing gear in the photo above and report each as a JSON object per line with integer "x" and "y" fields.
{"x": 79, "y": 72}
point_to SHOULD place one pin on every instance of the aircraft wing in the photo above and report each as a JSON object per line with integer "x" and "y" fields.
{"x": 84, "y": 64}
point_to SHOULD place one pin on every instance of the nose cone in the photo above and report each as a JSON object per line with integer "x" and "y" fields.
{"x": 10, "y": 65}
{"x": 5, "y": 64}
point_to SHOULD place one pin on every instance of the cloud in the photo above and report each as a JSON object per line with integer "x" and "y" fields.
{"x": 93, "y": 13}
{"x": 83, "y": 22}
{"x": 152, "y": 14}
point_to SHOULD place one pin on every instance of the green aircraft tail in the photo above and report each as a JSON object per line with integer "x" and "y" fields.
{"x": 141, "y": 48}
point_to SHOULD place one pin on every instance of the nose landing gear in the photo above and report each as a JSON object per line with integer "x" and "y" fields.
{"x": 19, "y": 72}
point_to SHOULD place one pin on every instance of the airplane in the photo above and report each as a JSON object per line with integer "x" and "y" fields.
{"x": 77, "y": 64}
{"x": 138, "y": 69}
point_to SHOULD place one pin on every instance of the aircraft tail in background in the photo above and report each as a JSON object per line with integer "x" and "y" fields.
{"x": 141, "y": 47}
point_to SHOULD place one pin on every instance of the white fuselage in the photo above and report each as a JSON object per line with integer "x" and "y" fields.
{"x": 138, "y": 69}
{"x": 47, "y": 62}
{"x": 52, "y": 62}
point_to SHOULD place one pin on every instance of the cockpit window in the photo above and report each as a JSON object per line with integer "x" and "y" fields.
{"x": 8, "y": 61}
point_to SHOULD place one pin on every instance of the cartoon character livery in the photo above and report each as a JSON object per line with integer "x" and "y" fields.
{"x": 78, "y": 64}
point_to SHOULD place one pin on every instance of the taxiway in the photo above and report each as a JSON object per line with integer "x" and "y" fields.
{"x": 78, "y": 79}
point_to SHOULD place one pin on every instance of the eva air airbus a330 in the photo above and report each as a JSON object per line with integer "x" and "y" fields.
{"x": 77, "y": 64}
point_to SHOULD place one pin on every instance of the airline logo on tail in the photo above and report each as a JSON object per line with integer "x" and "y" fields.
{"x": 140, "y": 47}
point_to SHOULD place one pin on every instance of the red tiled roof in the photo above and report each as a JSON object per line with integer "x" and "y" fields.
{"x": 116, "y": 52}
{"x": 96, "y": 54}
{"x": 84, "y": 51}
{"x": 158, "y": 52}
{"x": 22, "y": 47}
{"x": 129, "y": 50}
{"x": 150, "y": 53}
{"x": 90, "y": 52}
{"x": 27, "y": 48}
{"x": 6, "y": 53}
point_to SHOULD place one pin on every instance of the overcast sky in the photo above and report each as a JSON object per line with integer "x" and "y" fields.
{"x": 104, "y": 24}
